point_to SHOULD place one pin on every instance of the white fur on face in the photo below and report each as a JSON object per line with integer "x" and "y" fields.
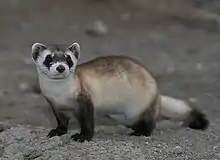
{"x": 51, "y": 72}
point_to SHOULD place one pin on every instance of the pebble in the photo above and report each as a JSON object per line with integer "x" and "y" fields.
{"x": 193, "y": 100}
{"x": 199, "y": 67}
{"x": 32, "y": 154}
{"x": 177, "y": 150}
{"x": 170, "y": 69}
{"x": 23, "y": 86}
{"x": 4, "y": 126}
{"x": 98, "y": 29}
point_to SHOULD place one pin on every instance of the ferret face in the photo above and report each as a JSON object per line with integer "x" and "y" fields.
{"x": 55, "y": 62}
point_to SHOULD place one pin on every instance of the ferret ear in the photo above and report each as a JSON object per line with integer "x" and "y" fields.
{"x": 37, "y": 48}
{"x": 75, "y": 49}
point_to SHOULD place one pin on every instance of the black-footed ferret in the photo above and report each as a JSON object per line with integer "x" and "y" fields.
{"x": 118, "y": 87}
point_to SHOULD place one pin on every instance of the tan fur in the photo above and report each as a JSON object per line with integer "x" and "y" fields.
{"x": 117, "y": 84}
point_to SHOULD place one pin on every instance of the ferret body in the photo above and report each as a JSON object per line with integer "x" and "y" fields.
{"x": 117, "y": 87}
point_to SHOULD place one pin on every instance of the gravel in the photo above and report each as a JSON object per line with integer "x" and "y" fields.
{"x": 110, "y": 142}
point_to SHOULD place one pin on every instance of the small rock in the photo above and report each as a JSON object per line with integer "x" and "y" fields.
{"x": 32, "y": 154}
{"x": 199, "y": 67}
{"x": 18, "y": 156}
{"x": 193, "y": 100}
{"x": 23, "y": 86}
{"x": 20, "y": 135}
{"x": 177, "y": 150}
{"x": 4, "y": 126}
{"x": 52, "y": 143}
{"x": 65, "y": 138}
{"x": 215, "y": 147}
{"x": 12, "y": 149}
{"x": 98, "y": 28}
{"x": 170, "y": 69}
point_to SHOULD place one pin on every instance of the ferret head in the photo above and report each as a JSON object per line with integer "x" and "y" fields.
{"x": 55, "y": 62}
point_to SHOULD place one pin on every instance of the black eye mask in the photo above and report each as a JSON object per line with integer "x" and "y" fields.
{"x": 69, "y": 61}
{"x": 48, "y": 61}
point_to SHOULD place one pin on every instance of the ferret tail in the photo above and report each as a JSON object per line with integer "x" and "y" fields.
{"x": 178, "y": 110}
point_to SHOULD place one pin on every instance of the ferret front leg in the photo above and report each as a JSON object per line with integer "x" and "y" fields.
{"x": 85, "y": 116}
{"x": 62, "y": 123}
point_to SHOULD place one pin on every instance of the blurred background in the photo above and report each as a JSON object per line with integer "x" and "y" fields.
{"x": 178, "y": 40}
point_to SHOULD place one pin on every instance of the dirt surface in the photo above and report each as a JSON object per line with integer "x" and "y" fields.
{"x": 179, "y": 43}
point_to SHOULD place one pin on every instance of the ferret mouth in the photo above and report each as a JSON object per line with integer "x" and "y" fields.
{"x": 58, "y": 76}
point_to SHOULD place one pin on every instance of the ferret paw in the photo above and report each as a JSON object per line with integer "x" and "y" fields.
{"x": 80, "y": 137}
{"x": 135, "y": 134}
{"x": 56, "y": 132}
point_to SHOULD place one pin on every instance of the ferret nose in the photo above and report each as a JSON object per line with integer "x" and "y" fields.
{"x": 60, "y": 68}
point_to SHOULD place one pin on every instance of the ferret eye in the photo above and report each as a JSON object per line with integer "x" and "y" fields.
{"x": 69, "y": 61}
{"x": 49, "y": 59}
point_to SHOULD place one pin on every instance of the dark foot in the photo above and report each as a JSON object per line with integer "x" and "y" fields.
{"x": 56, "y": 132}
{"x": 143, "y": 128}
{"x": 81, "y": 138}
{"x": 138, "y": 134}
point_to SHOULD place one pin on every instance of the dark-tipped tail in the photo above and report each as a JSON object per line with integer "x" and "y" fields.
{"x": 197, "y": 120}
{"x": 178, "y": 110}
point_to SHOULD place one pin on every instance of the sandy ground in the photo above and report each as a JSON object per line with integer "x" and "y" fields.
{"x": 181, "y": 50}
